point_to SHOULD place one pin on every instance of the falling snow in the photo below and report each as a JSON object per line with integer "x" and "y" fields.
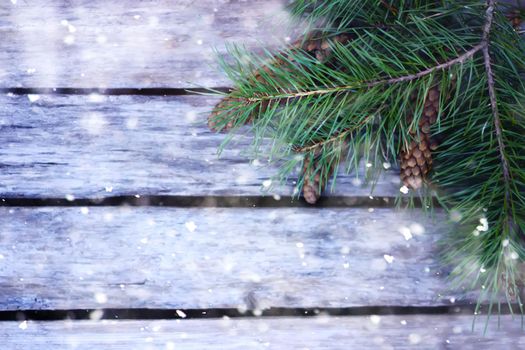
{"x": 180, "y": 313}
{"x": 406, "y": 232}
{"x": 101, "y": 298}
{"x": 483, "y": 226}
{"x": 96, "y": 315}
{"x": 417, "y": 229}
{"x": 69, "y": 39}
{"x": 375, "y": 319}
{"x": 33, "y": 98}
{"x": 190, "y": 226}
{"x": 414, "y": 338}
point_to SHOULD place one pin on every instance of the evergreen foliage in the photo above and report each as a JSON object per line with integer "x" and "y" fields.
{"x": 353, "y": 102}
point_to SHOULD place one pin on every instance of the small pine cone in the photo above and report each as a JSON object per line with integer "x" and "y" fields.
{"x": 314, "y": 44}
{"x": 311, "y": 189}
{"x": 416, "y": 159}
{"x": 318, "y": 47}
{"x": 216, "y": 120}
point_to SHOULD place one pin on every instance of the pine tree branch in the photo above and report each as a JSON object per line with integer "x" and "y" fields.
{"x": 492, "y": 95}
{"x": 410, "y": 77}
{"x": 460, "y": 59}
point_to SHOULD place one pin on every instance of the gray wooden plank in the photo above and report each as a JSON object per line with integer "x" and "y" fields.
{"x": 100, "y": 146}
{"x": 151, "y": 257}
{"x": 111, "y": 44}
{"x": 373, "y": 332}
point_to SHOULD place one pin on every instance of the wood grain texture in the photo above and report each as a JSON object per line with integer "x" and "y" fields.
{"x": 131, "y": 44}
{"x": 320, "y": 333}
{"x": 100, "y": 146}
{"x": 127, "y": 43}
{"x": 150, "y": 257}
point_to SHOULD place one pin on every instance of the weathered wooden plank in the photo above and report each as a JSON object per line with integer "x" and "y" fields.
{"x": 151, "y": 257}
{"x": 109, "y": 44}
{"x": 372, "y": 332}
{"x": 99, "y": 146}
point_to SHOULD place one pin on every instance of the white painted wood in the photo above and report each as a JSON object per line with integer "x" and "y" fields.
{"x": 321, "y": 333}
{"x": 127, "y": 43}
{"x": 100, "y": 146}
{"x": 151, "y": 257}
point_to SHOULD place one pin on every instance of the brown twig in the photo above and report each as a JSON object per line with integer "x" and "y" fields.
{"x": 492, "y": 95}
{"x": 316, "y": 145}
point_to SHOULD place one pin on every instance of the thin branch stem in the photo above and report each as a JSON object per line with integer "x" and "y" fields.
{"x": 492, "y": 95}
{"x": 460, "y": 59}
{"x": 333, "y": 139}
{"x": 337, "y": 137}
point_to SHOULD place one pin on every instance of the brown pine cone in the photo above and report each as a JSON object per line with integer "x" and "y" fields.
{"x": 314, "y": 178}
{"x": 311, "y": 185}
{"x": 216, "y": 120}
{"x": 315, "y": 44}
{"x": 416, "y": 159}
{"x": 319, "y": 46}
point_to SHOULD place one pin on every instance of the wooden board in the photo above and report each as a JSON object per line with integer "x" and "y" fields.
{"x": 103, "y": 146}
{"x": 151, "y": 257}
{"x": 372, "y": 332}
{"x": 130, "y": 44}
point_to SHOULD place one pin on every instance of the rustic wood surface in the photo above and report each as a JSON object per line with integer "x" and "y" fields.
{"x": 131, "y": 44}
{"x": 127, "y": 43}
{"x": 150, "y": 257}
{"x": 371, "y": 332}
{"x": 102, "y": 146}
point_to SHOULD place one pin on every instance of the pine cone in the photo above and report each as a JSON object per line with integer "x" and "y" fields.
{"x": 314, "y": 175}
{"x": 315, "y": 45}
{"x": 311, "y": 185}
{"x": 217, "y": 119}
{"x": 416, "y": 160}
{"x": 319, "y": 46}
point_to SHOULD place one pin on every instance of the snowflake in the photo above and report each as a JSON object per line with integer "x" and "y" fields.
{"x": 190, "y": 226}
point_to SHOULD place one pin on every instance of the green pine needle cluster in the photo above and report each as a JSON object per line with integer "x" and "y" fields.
{"x": 353, "y": 105}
